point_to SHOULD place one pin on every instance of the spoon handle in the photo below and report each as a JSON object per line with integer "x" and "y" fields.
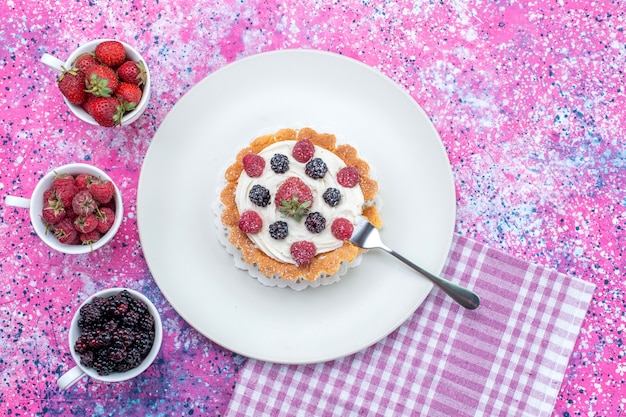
{"x": 461, "y": 295}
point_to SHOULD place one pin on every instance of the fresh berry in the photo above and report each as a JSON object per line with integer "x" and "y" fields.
{"x": 332, "y": 196}
{"x": 62, "y": 180}
{"x": 315, "y": 222}
{"x": 129, "y": 93}
{"x": 66, "y": 194}
{"x": 106, "y": 218}
{"x": 64, "y": 231}
{"x": 107, "y": 111}
{"x": 250, "y": 222}
{"x": 253, "y": 164}
{"x": 88, "y": 103}
{"x": 342, "y": 228}
{"x": 133, "y": 72}
{"x": 348, "y": 177}
{"x": 86, "y": 224}
{"x": 294, "y": 198}
{"x": 111, "y": 53}
{"x": 89, "y": 238}
{"x": 85, "y": 63}
{"x": 82, "y": 181}
{"x": 83, "y": 203}
{"x": 101, "y": 81}
{"x": 302, "y": 252}
{"x": 53, "y": 211}
{"x": 279, "y": 230}
{"x": 101, "y": 190}
{"x": 303, "y": 150}
{"x": 316, "y": 168}
{"x": 279, "y": 163}
{"x": 259, "y": 195}
{"x": 72, "y": 85}
{"x": 115, "y": 334}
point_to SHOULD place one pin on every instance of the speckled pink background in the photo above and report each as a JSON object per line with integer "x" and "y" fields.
{"x": 528, "y": 99}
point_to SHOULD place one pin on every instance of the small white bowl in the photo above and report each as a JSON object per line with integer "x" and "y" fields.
{"x": 70, "y": 377}
{"x": 131, "y": 53}
{"x": 35, "y": 205}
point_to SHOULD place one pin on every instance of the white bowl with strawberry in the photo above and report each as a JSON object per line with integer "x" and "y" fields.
{"x": 104, "y": 82}
{"x": 74, "y": 209}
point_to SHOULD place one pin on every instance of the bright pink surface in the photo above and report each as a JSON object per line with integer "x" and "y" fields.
{"x": 528, "y": 100}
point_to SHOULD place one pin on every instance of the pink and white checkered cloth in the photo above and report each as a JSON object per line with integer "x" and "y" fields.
{"x": 507, "y": 357}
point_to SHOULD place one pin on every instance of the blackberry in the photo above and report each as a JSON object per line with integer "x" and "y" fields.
{"x": 316, "y": 168}
{"x": 332, "y": 196}
{"x": 259, "y": 195}
{"x": 279, "y": 230}
{"x": 116, "y": 333}
{"x": 279, "y": 163}
{"x": 315, "y": 222}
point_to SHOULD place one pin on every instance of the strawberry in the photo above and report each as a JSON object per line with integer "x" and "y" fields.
{"x": 88, "y": 103}
{"x": 348, "y": 177}
{"x": 89, "y": 238}
{"x": 107, "y": 111}
{"x": 72, "y": 85}
{"x": 250, "y": 222}
{"x": 66, "y": 193}
{"x": 129, "y": 93}
{"x": 83, "y": 203}
{"x": 106, "y": 218}
{"x": 86, "y": 62}
{"x": 102, "y": 190}
{"x": 86, "y": 224}
{"x": 53, "y": 211}
{"x": 133, "y": 72}
{"x": 294, "y": 198}
{"x": 253, "y": 164}
{"x": 82, "y": 181}
{"x": 303, "y": 150}
{"x": 302, "y": 252}
{"x": 101, "y": 81}
{"x": 111, "y": 53}
{"x": 64, "y": 231}
{"x": 342, "y": 228}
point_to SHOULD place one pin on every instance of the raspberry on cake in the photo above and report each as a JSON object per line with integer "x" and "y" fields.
{"x": 291, "y": 201}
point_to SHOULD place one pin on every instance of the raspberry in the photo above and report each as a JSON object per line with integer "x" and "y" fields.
{"x": 106, "y": 218}
{"x": 250, "y": 222}
{"x": 279, "y": 163}
{"x": 66, "y": 193}
{"x": 316, "y": 168}
{"x": 83, "y": 181}
{"x": 83, "y": 203}
{"x": 64, "y": 231}
{"x": 302, "y": 252}
{"x": 86, "y": 224}
{"x": 253, "y": 164}
{"x": 279, "y": 230}
{"x": 102, "y": 190}
{"x": 342, "y": 228}
{"x": 259, "y": 195}
{"x": 332, "y": 196}
{"x": 89, "y": 238}
{"x": 303, "y": 150}
{"x": 315, "y": 222}
{"x": 348, "y": 177}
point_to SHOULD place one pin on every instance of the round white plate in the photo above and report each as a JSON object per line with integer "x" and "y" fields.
{"x": 201, "y": 136}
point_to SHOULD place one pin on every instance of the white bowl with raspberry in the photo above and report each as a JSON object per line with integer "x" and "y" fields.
{"x": 115, "y": 335}
{"x": 56, "y": 207}
{"x": 133, "y": 100}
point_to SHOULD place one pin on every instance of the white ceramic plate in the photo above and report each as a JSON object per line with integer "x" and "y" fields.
{"x": 199, "y": 139}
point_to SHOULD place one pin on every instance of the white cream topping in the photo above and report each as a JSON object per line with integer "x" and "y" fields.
{"x": 350, "y": 205}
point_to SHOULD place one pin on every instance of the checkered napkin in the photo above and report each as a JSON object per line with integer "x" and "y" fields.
{"x": 507, "y": 357}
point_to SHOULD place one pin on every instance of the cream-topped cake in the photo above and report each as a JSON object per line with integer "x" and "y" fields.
{"x": 291, "y": 201}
